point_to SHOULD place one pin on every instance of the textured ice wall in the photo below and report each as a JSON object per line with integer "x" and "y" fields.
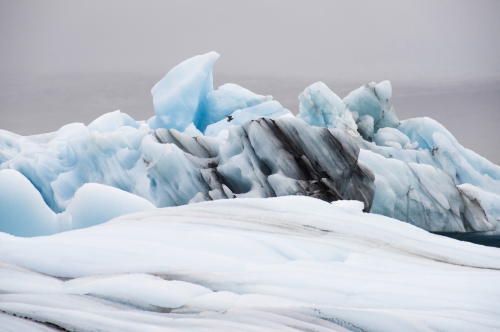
{"x": 262, "y": 158}
{"x": 424, "y": 195}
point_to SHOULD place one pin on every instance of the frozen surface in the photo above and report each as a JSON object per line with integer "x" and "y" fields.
{"x": 270, "y": 109}
{"x": 24, "y": 213}
{"x": 112, "y": 121}
{"x": 419, "y": 163}
{"x": 369, "y": 103}
{"x": 319, "y": 106}
{"x": 181, "y": 96}
{"x": 350, "y": 205}
{"x": 436, "y": 148}
{"x": 229, "y": 98}
{"x": 422, "y": 195}
{"x": 205, "y": 144}
{"x": 393, "y": 138}
{"x": 159, "y": 168}
{"x": 287, "y": 263}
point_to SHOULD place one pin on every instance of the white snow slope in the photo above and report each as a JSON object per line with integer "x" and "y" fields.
{"x": 276, "y": 264}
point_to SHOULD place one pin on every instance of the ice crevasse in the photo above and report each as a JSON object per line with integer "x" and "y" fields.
{"x": 352, "y": 148}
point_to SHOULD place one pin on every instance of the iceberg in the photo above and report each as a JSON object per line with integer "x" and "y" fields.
{"x": 270, "y": 109}
{"x": 438, "y": 149}
{"x": 419, "y": 166}
{"x": 369, "y": 105}
{"x": 181, "y": 96}
{"x": 229, "y": 98}
{"x": 393, "y": 138}
{"x": 167, "y": 168}
{"x": 319, "y": 106}
{"x": 111, "y": 122}
{"x": 205, "y": 144}
{"x": 24, "y": 213}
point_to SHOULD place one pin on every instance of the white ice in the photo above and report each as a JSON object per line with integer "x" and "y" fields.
{"x": 251, "y": 264}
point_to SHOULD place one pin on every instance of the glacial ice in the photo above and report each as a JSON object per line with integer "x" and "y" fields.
{"x": 402, "y": 189}
{"x": 319, "y": 106}
{"x": 181, "y": 96}
{"x": 393, "y": 138}
{"x": 413, "y": 170}
{"x": 369, "y": 106}
{"x": 439, "y": 149}
{"x": 24, "y": 213}
{"x": 229, "y": 98}
{"x": 421, "y": 195}
{"x": 269, "y": 109}
{"x": 251, "y": 265}
{"x": 22, "y": 209}
{"x": 112, "y": 121}
{"x": 286, "y": 262}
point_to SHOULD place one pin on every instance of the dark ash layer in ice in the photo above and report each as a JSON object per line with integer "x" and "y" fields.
{"x": 268, "y": 158}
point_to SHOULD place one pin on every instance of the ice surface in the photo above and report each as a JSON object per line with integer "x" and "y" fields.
{"x": 421, "y": 195}
{"x": 454, "y": 158}
{"x": 229, "y": 98}
{"x": 488, "y": 201}
{"x": 169, "y": 168}
{"x": 22, "y": 209}
{"x": 392, "y": 137}
{"x": 319, "y": 106}
{"x": 371, "y": 100}
{"x": 24, "y": 213}
{"x": 181, "y": 96}
{"x": 352, "y": 206}
{"x": 251, "y": 264}
{"x": 110, "y": 122}
{"x": 412, "y": 142}
{"x": 190, "y": 153}
{"x": 270, "y": 109}
{"x": 432, "y": 145}
{"x": 266, "y": 158}
{"x": 95, "y": 204}
{"x": 59, "y": 163}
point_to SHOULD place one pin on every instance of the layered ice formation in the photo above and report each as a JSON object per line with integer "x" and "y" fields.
{"x": 208, "y": 144}
{"x": 279, "y": 264}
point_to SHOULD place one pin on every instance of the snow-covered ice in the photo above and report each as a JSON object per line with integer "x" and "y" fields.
{"x": 251, "y": 264}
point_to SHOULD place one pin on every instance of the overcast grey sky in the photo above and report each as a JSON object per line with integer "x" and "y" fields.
{"x": 70, "y": 61}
